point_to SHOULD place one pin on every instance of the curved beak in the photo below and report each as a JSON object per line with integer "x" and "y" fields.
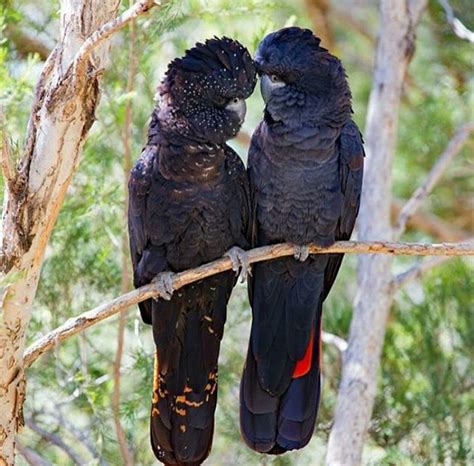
{"x": 239, "y": 107}
{"x": 266, "y": 87}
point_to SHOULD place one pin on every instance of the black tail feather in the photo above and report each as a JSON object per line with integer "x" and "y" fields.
{"x": 276, "y": 424}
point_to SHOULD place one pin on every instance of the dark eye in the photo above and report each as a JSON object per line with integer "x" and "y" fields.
{"x": 220, "y": 101}
{"x": 275, "y": 78}
{"x": 235, "y": 100}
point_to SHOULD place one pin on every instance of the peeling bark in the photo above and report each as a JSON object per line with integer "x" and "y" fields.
{"x": 63, "y": 112}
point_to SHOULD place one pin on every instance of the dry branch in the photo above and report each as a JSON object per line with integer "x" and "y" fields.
{"x": 87, "y": 319}
{"x": 31, "y": 457}
{"x": 109, "y": 28}
{"x": 458, "y": 27}
{"x": 25, "y": 43}
{"x": 417, "y": 271}
{"x": 430, "y": 224}
{"x": 452, "y": 149}
{"x": 331, "y": 339}
{"x": 56, "y": 440}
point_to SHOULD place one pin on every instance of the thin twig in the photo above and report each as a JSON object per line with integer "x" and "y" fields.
{"x": 428, "y": 223}
{"x": 56, "y": 440}
{"x": 417, "y": 271}
{"x": 331, "y": 339}
{"x": 8, "y": 171}
{"x": 458, "y": 27}
{"x": 106, "y": 30}
{"x": 32, "y": 457}
{"x": 87, "y": 319}
{"x": 414, "y": 203}
{"x": 125, "y": 285}
{"x": 26, "y": 43}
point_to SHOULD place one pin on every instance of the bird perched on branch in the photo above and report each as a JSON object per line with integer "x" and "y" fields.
{"x": 305, "y": 168}
{"x": 189, "y": 204}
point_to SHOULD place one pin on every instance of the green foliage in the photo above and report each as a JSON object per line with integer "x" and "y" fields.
{"x": 425, "y": 397}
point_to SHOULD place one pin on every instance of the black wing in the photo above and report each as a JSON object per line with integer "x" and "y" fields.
{"x": 147, "y": 259}
{"x": 351, "y": 172}
{"x": 240, "y": 216}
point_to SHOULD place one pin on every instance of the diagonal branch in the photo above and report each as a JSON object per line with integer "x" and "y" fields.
{"x": 457, "y": 26}
{"x": 109, "y": 28}
{"x": 87, "y": 319}
{"x": 428, "y": 223}
{"x": 331, "y": 339}
{"x": 56, "y": 440}
{"x": 417, "y": 271}
{"x": 414, "y": 203}
{"x": 32, "y": 457}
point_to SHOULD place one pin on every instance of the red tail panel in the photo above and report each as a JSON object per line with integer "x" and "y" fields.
{"x": 303, "y": 366}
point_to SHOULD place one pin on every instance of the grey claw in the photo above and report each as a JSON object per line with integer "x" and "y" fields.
{"x": 301, "y": 253}
{"x": 164, "y": 285}
{"x": 240, "y": 262}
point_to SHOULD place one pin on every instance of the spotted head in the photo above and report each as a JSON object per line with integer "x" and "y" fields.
{"x": 204, "y": 92}
{"x": 301, "y": 81}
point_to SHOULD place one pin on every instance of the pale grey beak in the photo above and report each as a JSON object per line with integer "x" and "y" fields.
{"x": 239, "y": 107}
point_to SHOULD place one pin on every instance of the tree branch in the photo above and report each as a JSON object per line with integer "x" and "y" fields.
{"x": 430, "y": 224}
{"x": 56, "y": 440}
{"x": 126, "y": 282}
{"x": 417, "y": 271}
{"x": 331, "y": 339}
{"x": 32, "y": 457}
{"x": 8, "y": 171}
{"x": 26, "y": 43}
{"x": 458, "y": 27}
{"x": 453, "y": 148}
{"x": 107, "y": 29}
{"x": 87, "y": 319}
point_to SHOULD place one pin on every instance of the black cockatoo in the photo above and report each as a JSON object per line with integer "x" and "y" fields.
{"x": 305, "y": 168}
{"x": 189, "y": 204}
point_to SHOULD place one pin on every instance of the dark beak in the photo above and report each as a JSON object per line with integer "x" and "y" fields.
{"x": 266, "y": 87}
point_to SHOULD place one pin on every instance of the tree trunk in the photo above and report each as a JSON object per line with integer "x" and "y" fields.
{"x": 63, "y": 112}
{"x": 398, "y": 20}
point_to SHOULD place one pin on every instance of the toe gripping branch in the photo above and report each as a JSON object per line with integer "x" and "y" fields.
{"x": 301, "y": 253}
{"x": 240, "y": 262}
{"x": 164, "y": 285}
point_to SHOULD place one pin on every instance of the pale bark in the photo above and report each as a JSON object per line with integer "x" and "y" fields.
{"x": 398, "y": 20}
{"x": 66, "y": 96}
{"x": 82, "y": 322}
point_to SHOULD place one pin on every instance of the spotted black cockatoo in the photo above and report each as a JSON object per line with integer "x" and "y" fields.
{"x": 189, "y": 204}
{"x": 305, "y": 168}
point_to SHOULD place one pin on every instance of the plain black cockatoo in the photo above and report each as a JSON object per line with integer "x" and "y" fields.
{"x": 305, "y": 169}
{"x": 189, "y": 204}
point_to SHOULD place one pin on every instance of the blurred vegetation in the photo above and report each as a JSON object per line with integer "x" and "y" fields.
{"x": 423, "y": 411}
